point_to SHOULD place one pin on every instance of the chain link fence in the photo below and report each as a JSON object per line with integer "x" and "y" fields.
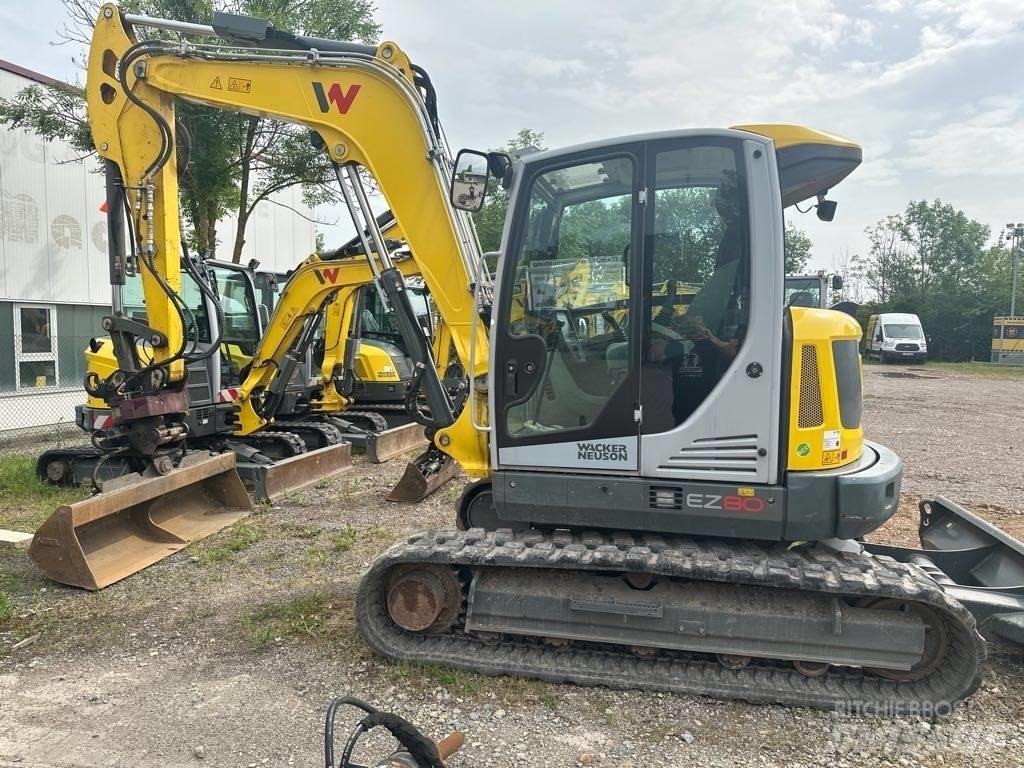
{"x": 40, "y": 385}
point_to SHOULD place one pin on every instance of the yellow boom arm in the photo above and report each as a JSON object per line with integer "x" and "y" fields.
{"x": 366, "y": 110}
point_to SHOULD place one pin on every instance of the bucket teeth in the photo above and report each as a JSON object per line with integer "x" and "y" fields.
{"x": 137, "y": 521}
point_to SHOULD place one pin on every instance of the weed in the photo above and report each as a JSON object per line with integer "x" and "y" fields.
{"x": 237, "y": 538}
{"x": 344, "y": 539}
{"x": 300, "y": 531}
{"x": 6, "y": 606}
{"x": 316, "y": 557}
{"x": 301, "y": 616}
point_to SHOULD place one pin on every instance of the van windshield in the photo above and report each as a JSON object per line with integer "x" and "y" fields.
{"x": 903, "y": 331}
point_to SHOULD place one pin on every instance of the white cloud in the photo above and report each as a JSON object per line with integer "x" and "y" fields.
{"x": 986, "y": 143}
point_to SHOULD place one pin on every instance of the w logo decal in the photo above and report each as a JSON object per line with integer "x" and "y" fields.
{"x": 336, "y": 95}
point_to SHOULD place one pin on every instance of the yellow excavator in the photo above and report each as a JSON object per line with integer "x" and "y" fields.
{"x": 677, "y": 502}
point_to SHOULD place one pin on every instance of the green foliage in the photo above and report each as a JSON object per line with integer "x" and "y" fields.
{"x": 300, "y": 616}
{"x": 6, "y": 606}
{"x": 798, "y": 250}
{"x": 235, "y": 161}
{"x": 490, "y": 220}
{"x": 934, "y": 261}
{"x": 237, "y": 538}
{"x": 343, "y": 540}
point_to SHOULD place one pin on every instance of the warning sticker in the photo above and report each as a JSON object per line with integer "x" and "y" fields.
{"x": 833, "y": 457}
{"x": 831, "y": 440}
{"x": 239, "y": 85}
{"x": 216, "y": 84}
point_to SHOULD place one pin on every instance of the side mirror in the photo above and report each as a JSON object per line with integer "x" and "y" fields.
{"x": 837, "y": 282}
{"x": 469, "y": 182}
{"x": 878, "y": 337}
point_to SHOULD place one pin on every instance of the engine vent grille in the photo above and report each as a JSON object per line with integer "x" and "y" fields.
{"x": 708, "y": 456}
{"x": 810, "y": 413}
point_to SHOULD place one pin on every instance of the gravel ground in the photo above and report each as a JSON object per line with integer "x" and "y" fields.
{"x": 225, "y": 654}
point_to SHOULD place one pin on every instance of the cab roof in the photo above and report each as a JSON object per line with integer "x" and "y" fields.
{"x": 810, "y": 162}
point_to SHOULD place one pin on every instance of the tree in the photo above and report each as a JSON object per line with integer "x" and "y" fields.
{"x": 490, "y": 220}
{"x": 237, "y": 162}
{"x": 797, "y": 248}
{"x": 933, "y": 260}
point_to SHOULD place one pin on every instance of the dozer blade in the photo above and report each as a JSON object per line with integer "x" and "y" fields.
{"x": 424, "y": 475}
{"x": 139, "y": 520}
{"x": 382, "y": 446}
{"x": 269, "y": 481}
{"x": 974, "y": 561}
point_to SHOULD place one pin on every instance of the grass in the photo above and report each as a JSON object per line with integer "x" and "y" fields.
{"x": 6, "y": 606}
{"x": 344, "y": 539}
{"x": 235, "y": 539}
{"x": 26, "y": 501}
{"x": 304, "y": 616}
{"x": 984, "y": 370}
{"x": 509, "y": 690}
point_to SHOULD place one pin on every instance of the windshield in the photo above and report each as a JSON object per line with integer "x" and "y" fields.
{"x": 240, "y": 326}
{"x": 803, "y": 292}
{"x": 903, "y": 331}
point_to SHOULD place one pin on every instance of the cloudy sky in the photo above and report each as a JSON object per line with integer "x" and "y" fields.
{"x": 932, "y": 89}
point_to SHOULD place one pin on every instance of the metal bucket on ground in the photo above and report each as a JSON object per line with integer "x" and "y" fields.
{"x": 139, "y": 520}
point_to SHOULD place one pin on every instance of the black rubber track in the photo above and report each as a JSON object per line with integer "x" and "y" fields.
{"x": 810, "y": 569}
{"x": 378, "y": 422}
{"x": 293, "y": 444}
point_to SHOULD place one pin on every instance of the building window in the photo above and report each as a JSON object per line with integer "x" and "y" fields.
{"x": 35, "y": 346}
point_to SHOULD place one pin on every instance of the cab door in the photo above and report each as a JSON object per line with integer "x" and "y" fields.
{"x": 565, "y": 383}
{"x": 712, "y": 329}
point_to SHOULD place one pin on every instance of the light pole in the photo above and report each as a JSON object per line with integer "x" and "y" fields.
{"x": 1014, "y": 234}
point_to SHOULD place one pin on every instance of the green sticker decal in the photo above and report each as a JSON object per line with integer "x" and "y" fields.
{"x": 803, "y": 449}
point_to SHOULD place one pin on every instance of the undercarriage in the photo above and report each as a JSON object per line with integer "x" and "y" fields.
{"x": 768, "y": 623}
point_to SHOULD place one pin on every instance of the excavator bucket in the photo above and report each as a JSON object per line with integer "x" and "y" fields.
{"x": 138, "y": 520}
{"x": 424, "y": 475}
{"x": 382, "y": 446}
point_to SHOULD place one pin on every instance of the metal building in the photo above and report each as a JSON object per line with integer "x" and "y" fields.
{"x": 53, "y": 265}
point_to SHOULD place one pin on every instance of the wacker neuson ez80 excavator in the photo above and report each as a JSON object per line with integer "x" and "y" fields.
{"x": 664, "y": 499}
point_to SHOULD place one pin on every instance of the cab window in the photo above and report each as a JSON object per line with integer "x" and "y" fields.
{"x": 699, "y": 288}
{"x": 570, "y": 288}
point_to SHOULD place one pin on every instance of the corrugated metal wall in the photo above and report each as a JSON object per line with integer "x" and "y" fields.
{"x": 53, "y": 236}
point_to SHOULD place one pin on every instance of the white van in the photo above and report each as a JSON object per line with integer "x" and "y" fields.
{"x": 895, "y": 336}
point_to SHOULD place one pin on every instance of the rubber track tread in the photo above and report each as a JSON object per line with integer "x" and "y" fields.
{"x": 276, "y": 435}
{"x": 330, "y": 434}
{"x": 379, "y": 422}
{"x": 749, "y": 563}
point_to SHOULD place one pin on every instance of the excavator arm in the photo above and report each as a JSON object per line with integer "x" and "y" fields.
{"x": 316, "y": 285}
{"x": 368, "y": 113}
